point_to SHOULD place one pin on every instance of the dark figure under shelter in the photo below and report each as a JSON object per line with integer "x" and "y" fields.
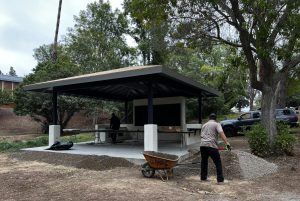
{"x": 115, "y": 126}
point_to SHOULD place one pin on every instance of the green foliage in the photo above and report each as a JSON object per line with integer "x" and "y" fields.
{"x": 285, "y": 141}
{"x": 6, "y": 97}
{"x": 7, "y": 146}
{"x": 265, "y": 32}
{"x": 258, "y": 141}
{"x": 11, "y": 146}
{"x": 294, "y": 100}
{"x": 97, "y": 40}
{"x": 150, "y": 28}
{"x": 294, "y": 83}
{"x": 260, "y": 145}
{"x": 39, "y": 105}
{"x": 83, "y": 137}
{"x": 221, "y": 68}
{"x": 12, "y": 71}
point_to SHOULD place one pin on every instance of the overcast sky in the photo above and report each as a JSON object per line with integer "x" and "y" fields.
{"x": 28, "y": 24}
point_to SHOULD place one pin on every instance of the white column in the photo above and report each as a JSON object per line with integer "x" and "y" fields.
{"x": 100, "y": 137}
{"x": 150, "y": 137}
{"x": 54, "y": 133}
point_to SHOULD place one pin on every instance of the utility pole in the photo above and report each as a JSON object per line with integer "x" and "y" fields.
{"x": 54, "y": 51}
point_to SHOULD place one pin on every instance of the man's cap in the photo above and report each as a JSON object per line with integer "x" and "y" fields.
{"x": 212, "y": 116}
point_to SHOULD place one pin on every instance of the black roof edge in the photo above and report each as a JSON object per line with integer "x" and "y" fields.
{"x": 191, "y": 82}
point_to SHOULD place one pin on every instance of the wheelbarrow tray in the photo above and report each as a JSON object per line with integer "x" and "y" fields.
{"x": 158, "y": 160}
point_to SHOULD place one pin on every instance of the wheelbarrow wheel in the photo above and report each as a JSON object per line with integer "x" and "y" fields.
{"x": 147, "y": 171}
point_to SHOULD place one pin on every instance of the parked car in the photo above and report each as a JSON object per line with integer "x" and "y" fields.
{"x": 232, "y": 127}
{"x": 288, "y": 116}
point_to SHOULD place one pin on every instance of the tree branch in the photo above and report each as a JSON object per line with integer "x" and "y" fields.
{"x": 291, "y": 63}
{"x": 226, "y": 17}
{"x": 278, "y": 26}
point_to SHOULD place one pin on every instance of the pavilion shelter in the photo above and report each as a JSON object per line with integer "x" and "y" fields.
{"x": 146, "y": 86}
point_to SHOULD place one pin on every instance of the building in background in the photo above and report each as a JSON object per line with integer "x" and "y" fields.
{"x": 9, "y": 83}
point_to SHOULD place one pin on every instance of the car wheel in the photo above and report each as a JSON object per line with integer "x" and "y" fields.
{"x": 229, "y": 131}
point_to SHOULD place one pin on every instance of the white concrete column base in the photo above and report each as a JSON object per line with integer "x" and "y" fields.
{"x": 150, "y": 137}
{"x": 54, "y": 133}
{"x": 100, "y": 137}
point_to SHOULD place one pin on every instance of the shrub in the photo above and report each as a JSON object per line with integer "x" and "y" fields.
{"x": 258, "y": 141}
{"x": 260, "y": 145}
{"x": 285, "y": 141}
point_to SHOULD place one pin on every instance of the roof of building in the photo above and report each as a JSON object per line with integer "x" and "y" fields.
{"x": 11, "y": 78}
{"x": 127, "y": 84}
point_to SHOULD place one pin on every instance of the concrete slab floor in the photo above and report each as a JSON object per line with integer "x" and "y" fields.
{"x": 129, "y": 150}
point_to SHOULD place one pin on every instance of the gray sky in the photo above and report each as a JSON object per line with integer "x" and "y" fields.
{"x": 28, "y": 24}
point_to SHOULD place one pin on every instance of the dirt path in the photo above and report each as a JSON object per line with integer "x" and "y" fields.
{"x": 27, "y": 180}
{"x": 24, "y": 179}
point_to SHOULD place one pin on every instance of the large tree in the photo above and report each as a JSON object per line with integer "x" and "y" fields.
{"x": 97, "y": 40}
{"x": 149, "y": 28}
{"x": 266, "y": 31}
{"x": 221, "y": 68}
{"x": 39, "y": 105}
{"x": 12, "y": 71}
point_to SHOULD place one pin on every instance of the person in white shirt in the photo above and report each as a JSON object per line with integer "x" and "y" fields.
{"x": 209, "y": 147}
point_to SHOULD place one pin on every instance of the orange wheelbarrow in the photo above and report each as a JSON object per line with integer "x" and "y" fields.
{"x": 160, "y": 162}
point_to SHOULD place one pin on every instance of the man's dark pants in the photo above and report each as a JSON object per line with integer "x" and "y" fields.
{"x": 114, "y": 136}
{"x": 214, "y": 154}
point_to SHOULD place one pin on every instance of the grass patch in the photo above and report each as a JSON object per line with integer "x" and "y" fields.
{"x": 83, "y": 137}
{"x": 12, "y": 146}
{"x": 9, "y": 146}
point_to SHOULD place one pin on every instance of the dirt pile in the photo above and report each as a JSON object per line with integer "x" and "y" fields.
{"x": 236, "y": 164}
{"x": 79, "y": 161}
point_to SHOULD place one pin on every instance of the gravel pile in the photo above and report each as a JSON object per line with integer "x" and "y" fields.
{"x": 253, "y": 167}
{"x": 236, "y": 165}
{"x": 230, "y": 163}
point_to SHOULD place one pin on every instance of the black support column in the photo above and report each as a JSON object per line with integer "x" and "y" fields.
{"x": 126, "y": 112}
{"x": 54, "y": 106}
{"x": 200, "y": 109}
{"x": 150, "y": 103}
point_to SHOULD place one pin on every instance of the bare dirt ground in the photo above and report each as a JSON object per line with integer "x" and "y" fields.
{"x": 44, "y": 176}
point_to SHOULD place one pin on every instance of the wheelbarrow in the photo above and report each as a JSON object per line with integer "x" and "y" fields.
{"x": 160, "y": 162}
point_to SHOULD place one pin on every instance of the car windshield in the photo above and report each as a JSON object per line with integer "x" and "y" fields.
{"x": 245, "y": 116}
{"x": 284, "y": 112}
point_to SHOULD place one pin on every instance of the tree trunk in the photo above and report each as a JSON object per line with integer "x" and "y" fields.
{"x": 54, "y": 52}
{"x": 282, "y": 91}
{"x": 252, "y": 93}
{"x": 268, "y": 106}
